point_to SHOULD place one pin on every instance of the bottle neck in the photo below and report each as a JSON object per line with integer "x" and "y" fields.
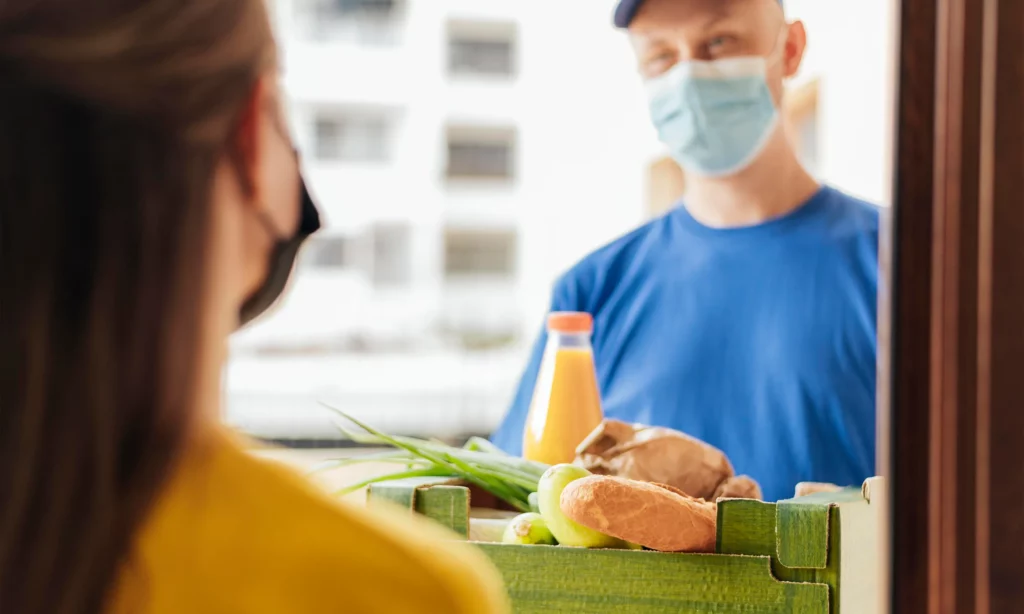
{"x": 580, "y": 341}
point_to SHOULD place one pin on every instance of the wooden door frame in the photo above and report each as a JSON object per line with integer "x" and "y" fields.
{"x": 951, "y": 375}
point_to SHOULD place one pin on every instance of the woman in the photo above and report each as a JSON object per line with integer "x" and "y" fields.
{"x": 150, "y": 202}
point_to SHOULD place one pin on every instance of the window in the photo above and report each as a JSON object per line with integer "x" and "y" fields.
{"x": 353, "y": 138}
{"x": 365, "y": 8}
{"x": 381, "y": 253}
{"x": 483, "y": 154}
{"x": 480, "y": 54}
{"x": 329, "y": 252}
{"x": 392, "y": 257}
{"x": 371, "y": 22}
{"x": 479, "y": 253}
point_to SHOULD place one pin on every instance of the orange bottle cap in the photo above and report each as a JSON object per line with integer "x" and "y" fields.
{"x": 570, "y": 322}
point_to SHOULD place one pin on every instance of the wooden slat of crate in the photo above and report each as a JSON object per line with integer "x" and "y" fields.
{"x": 560, "y": 580}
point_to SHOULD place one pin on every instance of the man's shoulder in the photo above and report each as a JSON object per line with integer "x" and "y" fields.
{"x": 616, "y": 259}
{"x": 851, "y": 215}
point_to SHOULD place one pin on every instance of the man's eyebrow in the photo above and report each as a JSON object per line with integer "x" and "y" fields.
{"x": 646, "y": 41}
{"x": 721, "y": 13}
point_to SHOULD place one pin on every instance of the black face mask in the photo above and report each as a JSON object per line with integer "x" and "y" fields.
{"x": 282, "y": 259}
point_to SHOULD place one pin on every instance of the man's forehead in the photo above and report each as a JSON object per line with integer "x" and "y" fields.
{"x": 628, "y": 9}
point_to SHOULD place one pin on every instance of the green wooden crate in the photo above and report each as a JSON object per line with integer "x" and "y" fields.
{"x": 822, "y": 554}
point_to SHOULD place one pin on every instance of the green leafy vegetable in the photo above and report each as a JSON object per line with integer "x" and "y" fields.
{"x": 480, "y": 463}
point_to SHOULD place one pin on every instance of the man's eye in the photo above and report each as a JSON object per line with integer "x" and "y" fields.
{"x": 717, "y": 44}
{"x": 657, "y": 64}
{"x": 664, "y": 56}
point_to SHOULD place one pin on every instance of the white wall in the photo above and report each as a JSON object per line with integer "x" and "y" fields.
{"x": 849, "y": 48}
{"x": 585, "y": 125}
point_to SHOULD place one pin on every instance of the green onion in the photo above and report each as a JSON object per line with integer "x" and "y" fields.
{"x": 419, "y": 473}
{"x": 524, "y": 467}
{"x": 397, "y": 457}
{"x": 479, "y": 444}
{"x": 480, "y": 463}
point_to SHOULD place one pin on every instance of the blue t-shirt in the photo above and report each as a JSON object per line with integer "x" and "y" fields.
{"x": 759, "y": 340}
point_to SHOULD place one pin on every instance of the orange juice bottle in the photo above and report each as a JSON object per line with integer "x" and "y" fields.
{"x": 566, "y": 403}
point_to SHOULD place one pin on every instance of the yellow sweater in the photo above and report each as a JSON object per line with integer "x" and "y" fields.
{"x": 235, "y": 534}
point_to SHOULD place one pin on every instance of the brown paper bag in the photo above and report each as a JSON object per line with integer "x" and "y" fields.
{"x": 662, "y": 455}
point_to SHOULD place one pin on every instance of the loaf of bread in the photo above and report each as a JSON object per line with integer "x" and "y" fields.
{"x": 738, "y": 487}
{"x": 809, "y": 488}
{"x": 655, "y": 454}
{"x": 652, "y": 515}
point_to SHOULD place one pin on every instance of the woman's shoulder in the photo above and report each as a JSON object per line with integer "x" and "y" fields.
{"x": 287, "y": 544}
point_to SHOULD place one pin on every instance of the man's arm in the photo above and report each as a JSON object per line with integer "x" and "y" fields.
{"x": 509, "y": 435}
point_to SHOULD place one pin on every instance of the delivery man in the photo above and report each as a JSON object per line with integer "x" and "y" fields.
{"x": 746, "y": 316}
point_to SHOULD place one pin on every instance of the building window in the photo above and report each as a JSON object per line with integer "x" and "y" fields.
{"x": 392, "y": 255}
{"x": 479, "y": 253}
{"x": 352, "y": 138}
{"x": 329, "y": 252}
{"x": 372, "y": 9}
{"x": 369, "y": 22}
{"x": 382, "y": 253}
{"x": 481, "y": 154}
{"x": 478, "y": 52}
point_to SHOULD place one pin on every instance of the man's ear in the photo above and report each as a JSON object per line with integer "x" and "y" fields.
{"x": 796, "y": 44}
{"x": 245, "y": 143}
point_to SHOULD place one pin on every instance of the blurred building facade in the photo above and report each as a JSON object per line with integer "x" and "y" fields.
{"x": 464, "y": 154}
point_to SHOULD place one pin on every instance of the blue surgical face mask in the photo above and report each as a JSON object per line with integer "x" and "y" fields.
{"x": 715, "y": 117}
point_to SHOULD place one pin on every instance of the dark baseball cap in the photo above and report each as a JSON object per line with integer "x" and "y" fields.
{"x": 626, "y": 11}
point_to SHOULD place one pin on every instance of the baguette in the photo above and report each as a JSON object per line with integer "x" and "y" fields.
{"x": 654, "y": 454}
{"x": 739, "y": 487}
{"x": 809, "y": 488}
{"x": 651, "y": 515}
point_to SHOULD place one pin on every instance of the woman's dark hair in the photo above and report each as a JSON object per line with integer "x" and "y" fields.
{"x": 113, "y": 117}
